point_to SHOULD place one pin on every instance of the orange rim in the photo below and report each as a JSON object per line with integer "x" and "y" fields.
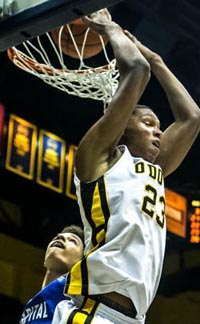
{"x": 17, "y": 57}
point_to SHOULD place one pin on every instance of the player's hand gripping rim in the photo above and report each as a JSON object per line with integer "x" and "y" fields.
{"x": 100, "y": 21}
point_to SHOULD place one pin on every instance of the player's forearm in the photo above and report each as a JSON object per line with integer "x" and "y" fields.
{"x": 125, "y": 51}
{"x": 181, "y": 103}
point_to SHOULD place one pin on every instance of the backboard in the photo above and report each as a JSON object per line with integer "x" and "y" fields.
{"x": 21, "y": 20}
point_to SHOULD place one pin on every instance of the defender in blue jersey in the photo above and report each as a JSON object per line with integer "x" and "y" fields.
{"x": 40, "y": 309}
{"x": 65, "y": 249}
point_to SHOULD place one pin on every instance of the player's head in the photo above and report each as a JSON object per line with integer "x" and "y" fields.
{"x": 77, "y": 230}
{"x": 65, "y": 249}
{"x": 142, "y": 133}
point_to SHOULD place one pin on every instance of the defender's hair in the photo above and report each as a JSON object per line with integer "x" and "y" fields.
{"x": 75, "y": 230}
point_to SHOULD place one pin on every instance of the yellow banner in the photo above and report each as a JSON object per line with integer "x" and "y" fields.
{"x": 21, "y": 147}
{"x": 51, "y": 161}
{"x": 70, "y": 188}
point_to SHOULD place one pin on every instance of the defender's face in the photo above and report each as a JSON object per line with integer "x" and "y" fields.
{"x": 63, "y": 252}
{"x": 142, "y": 134}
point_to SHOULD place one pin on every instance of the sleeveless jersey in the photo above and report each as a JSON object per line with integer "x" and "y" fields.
{"x": 125, "y": 232}
{"x": 40, "y": 309}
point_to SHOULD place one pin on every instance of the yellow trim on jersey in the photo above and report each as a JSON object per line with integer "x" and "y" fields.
{"x": 100, "y": 236}
{"x": 89, "y": 305}
{"x": 76, "y": 278}
{"x": 97, "y": 212}
{"x": 84, "y": 314}
{"x": 75, "y": 282}
{"x": 96, "y": 209}
{"x": 79, "y": 318}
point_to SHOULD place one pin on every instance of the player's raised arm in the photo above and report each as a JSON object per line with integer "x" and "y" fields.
{"x": 97, "y": 150}
{"x": 178, "y": 138}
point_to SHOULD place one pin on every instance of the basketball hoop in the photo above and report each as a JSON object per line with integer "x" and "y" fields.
{"x": 98, "y": 83}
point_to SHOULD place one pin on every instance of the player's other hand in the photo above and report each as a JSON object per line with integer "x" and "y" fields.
{"x": 150, "y": 55}
{"x": 130, "y": 36}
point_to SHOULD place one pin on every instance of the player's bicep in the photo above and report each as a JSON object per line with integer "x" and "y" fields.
{"x": 175, "y": 143}
{"x": 92, "y": 155}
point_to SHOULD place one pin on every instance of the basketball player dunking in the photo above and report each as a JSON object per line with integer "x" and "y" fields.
{"x": 120, "y": 188}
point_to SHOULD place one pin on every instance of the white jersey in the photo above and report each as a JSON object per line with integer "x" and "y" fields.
{"x": 71, "y": 311}
{"x": 125, "y": 232}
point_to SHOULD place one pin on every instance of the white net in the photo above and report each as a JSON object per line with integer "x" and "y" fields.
{"x": 98, "y": 83}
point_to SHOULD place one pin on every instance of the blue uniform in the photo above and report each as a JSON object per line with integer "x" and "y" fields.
{"x": 40, "y": 309}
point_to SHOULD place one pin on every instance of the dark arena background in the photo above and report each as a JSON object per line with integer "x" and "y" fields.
{"x": 35, "y": 203}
